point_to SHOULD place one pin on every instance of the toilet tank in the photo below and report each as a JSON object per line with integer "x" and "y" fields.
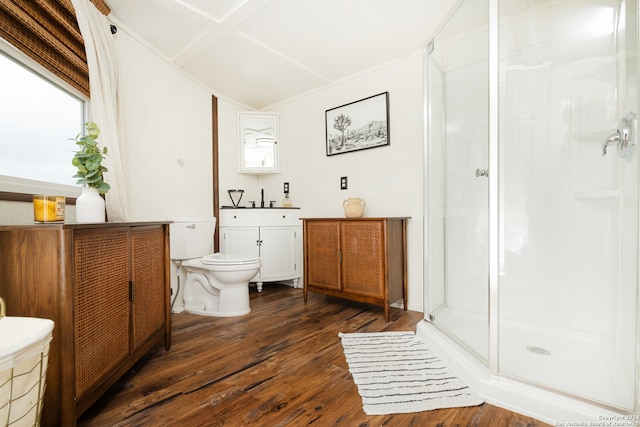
{"x": 191, "y": 237}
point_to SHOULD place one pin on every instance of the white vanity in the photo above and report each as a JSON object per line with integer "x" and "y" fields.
{"x": 273, "y": 234}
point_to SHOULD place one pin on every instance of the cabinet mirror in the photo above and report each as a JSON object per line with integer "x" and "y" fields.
{"x": 258, "y": 143}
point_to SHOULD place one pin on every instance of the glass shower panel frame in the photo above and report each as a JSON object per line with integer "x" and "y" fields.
{"x": 457, "y": 179}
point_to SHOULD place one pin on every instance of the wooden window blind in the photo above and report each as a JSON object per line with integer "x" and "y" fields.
{"x": 47, "y": 32}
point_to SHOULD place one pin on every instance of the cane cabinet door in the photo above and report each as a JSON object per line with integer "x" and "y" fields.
{"x": 102, "y": 307}
{"x": 322, "y": 244}
{"x": 363, "y": 258}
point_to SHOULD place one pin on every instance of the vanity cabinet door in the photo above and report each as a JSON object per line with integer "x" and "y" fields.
{"x": 102, "y": 308}
{"x": 278, "y": 252}
{"x": 240, "y": 241}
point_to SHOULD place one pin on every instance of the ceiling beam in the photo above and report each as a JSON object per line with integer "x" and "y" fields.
{"x": 219, "y": 29}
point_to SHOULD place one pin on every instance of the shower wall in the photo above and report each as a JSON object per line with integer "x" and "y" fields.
{"x": 561, "y": 212}
{"x": 561, "y": 196}
{"x": 569, "y": 213}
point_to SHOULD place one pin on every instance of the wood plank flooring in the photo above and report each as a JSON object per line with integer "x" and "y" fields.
{"x": 281, "y": 365}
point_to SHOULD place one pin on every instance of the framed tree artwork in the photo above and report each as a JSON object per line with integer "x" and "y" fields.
{"x": 358, "y": 125}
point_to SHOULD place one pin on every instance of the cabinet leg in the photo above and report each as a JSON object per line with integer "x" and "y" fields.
{"x": 259, "y": 285}
{"x": 295, "y": 283}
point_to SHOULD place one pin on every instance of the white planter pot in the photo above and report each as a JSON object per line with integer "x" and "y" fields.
{"x": 90, "y": 206}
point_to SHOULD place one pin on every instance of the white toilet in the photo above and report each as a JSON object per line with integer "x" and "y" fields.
{"x": 216, "y": 284}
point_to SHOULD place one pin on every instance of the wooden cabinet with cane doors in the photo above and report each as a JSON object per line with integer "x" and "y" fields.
{"x": 361, "y": 259}
{"x": 106, "y": 287}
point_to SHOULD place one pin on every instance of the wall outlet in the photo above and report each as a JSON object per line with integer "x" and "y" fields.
{"x": 343, "y": 183}
{"x": 286, "y": 187}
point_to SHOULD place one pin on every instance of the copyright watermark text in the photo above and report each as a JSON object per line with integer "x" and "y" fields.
{"x": 604, "y": 420}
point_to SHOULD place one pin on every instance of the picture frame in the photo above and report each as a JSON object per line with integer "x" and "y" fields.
{"x": 358, "y": 125}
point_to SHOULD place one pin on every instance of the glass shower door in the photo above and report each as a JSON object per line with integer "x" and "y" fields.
{"x": 569, "y": 196}
{"x": 457, "y": 167}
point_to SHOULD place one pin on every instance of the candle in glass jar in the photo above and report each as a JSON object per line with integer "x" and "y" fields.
{"x": 48, "y": 208}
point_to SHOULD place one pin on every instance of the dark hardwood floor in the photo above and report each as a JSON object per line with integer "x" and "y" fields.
{"x": 280, "y": 365}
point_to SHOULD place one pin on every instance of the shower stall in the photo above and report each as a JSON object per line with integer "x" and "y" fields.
{"x": 531, "y": 207}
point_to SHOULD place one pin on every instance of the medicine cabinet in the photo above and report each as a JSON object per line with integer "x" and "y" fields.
{"x": 258, "y": 143}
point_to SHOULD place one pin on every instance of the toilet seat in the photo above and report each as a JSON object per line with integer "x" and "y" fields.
{"x": 228, "y": 259}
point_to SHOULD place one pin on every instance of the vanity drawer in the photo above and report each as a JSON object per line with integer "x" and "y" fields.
{"x": 259, "y": 217}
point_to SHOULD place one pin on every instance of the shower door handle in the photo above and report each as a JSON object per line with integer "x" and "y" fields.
{"x": 622, "y": 137}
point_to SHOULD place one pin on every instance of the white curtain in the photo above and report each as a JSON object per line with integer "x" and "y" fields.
{"x": 105, "y": 102}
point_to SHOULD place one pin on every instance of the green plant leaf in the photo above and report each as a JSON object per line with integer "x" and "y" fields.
{"x": 88, "y": 159}
{"x": 103, "y": 187}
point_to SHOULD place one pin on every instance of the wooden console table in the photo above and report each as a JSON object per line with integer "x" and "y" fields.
{"x": 106, "y": 287}
{"x": 361, "y": 259}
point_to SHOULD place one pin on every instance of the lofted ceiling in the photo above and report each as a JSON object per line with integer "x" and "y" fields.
{"x": 262, "y": 52}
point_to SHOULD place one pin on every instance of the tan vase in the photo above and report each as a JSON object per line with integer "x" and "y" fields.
{"x": 353, "y": 207}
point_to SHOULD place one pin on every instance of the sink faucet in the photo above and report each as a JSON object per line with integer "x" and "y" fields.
{"x": 262, "y": 198}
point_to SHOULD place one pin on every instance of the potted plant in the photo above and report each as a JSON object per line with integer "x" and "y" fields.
{"x": 88, "y": 159}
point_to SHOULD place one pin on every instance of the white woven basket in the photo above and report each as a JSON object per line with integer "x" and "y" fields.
{"x": 24, "y": 357}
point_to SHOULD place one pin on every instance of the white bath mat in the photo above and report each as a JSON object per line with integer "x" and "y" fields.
{"x": 396, "y": 373}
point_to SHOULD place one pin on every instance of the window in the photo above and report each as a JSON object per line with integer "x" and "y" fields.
{"x": 37, "y": 118}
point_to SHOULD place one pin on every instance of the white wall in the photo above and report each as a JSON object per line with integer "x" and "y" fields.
{"x": 388, "y": 178}
{"x": 167, "y": 136}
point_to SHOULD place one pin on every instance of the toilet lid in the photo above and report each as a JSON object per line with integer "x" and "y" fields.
{"x": 228, "y": 259}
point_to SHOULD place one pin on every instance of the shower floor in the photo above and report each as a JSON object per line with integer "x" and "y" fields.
{"x": 578, "y": 363}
